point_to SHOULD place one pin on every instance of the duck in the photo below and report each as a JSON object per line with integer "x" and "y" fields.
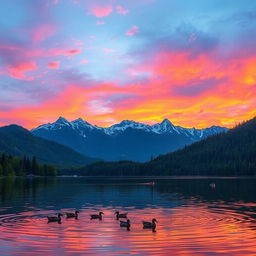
{"x": 55, "y": 218}
{"x": 212, "y": 185}
{"x": 126, "y": 224}
{"x": 72, "y": 214}
{"x": 147, "y": 224}
{"x": 97, "y": 216}
{"x": 120, "y": 215}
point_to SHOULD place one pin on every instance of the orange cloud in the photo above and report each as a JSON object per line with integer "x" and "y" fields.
{"x": 75, "y": 100}
{"x": 54, "y": 64}
{"x": 180, "y": 86}
{"x": 190, "y": 90}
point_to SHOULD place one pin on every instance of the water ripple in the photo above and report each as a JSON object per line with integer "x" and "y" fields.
{"x": 187, "y": 225}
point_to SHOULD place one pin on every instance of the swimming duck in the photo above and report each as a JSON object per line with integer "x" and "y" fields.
{"x": 72, "y": 214}
{"x": 55, "y": 218}
{"x": 126, "y": 224}
{"x": 97, "y": 216}
{"x": 121, "y": 215}
{"x": 147, "y": 224}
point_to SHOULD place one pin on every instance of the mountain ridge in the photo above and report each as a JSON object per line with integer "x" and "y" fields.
{"x": 18, "y": 141}
{"x": 127, "y": 140}
{"x": 165, "y": 126}
{"x": 226, "y": 154}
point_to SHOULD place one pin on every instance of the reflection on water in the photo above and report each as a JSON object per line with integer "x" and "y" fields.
{"x": 194, "y": 217}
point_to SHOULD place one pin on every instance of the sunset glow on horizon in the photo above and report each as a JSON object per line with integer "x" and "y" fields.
{"x": 192, "y": 62}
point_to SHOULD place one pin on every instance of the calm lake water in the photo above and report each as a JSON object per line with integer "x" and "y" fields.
{"x": 195, "y": 216}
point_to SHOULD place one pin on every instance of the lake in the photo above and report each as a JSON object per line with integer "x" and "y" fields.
{"x": 214, "y": 216}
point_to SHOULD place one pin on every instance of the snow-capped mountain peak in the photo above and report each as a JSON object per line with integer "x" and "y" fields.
{"x": 164, "y": 127}
{"x": 80, "y": 122}
{"x": 166, "y": 122}
{"x": 125, "y": 124}
{"x": 125, "y": 140}
{"x": 61, "y": 120}
{"x": 81, "y": 127}
{"x": 58, "y": 124}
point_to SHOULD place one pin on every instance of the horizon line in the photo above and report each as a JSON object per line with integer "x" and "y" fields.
{"x": 118, "y": 122}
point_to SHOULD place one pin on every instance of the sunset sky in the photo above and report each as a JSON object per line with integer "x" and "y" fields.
{"x": 191, "y": 61}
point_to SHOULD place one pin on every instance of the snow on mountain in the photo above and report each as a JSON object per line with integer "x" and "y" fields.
{"x": 127, "y": 140}
{"x": 121, "y": 127}
{"x": 81, "y": 126}
{"x": 60, "y": 122}
{"x": 164, "y": 127}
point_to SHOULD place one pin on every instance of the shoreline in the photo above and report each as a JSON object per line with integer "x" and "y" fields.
{"x": 137, "y": 177}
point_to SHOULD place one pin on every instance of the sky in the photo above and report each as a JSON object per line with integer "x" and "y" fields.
{"x": 190, "y": 61}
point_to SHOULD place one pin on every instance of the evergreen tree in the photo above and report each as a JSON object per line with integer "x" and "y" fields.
{"x": 14, "y": 166}
{"x": 34, "y": 166}
{"x": 1, "y": 169}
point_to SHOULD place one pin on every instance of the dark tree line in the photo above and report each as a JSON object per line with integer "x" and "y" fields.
{"x": 227, "y": 154}
{"x": 121, "y": 168}
{"x": 15, "y": 166}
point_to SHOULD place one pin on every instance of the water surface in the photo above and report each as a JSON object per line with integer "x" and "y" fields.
{"x": 195, "y": 216}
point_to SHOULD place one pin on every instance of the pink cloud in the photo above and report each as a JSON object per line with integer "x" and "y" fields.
{"x": 101, "y": 11}
{"x": 192, "y": 37}
{"x": 8, "y": 47}
{"x": 121, "y": 10}
{"x": 51, "y": 52}
{"x": 71, "y": 52}
{"x": 42, "y": 32}
{"x": 54, "y": 64}
{"x": 99, "y": 22}
{"x": 133, "y": 31}
{"x": 108, "y": 50}
{"x": 18, "y": 71}
{"x": 84, "y": 61}
{"x": 52, "y": 2}
{"x": 55, "y": 2}
{"x": 62, "y": 52}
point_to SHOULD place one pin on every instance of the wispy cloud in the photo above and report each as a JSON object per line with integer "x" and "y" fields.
{"x": 121, "y": 10}
{"x": 84, "y": 61}
{"x": 100, "y": 22}
{"x": 133, "y": 31}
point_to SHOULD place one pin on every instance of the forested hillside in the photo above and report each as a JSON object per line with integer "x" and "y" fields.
{"x": 15, "y": 166}
{"x": 17, "y": 141}
{"x": 231, "y": 153}
{"x": 227, "y": 154}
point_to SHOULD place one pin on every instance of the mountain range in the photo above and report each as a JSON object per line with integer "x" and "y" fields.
{"x": 18, "y": 141}
{"x": 127, "y": 140}
{"x": 225, "y": 154}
